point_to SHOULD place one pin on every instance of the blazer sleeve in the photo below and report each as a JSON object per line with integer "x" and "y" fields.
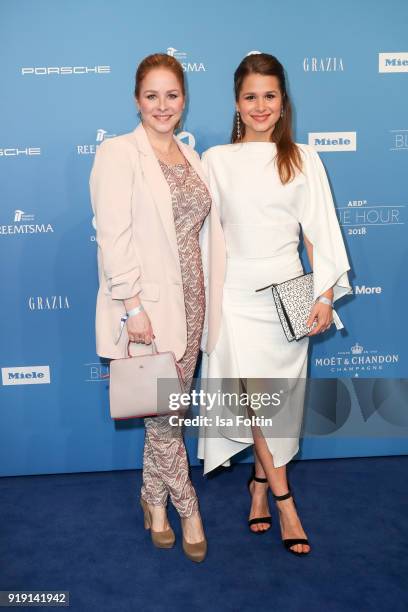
{"x": 207, "y": 166}
{"x": 111, "y": 185}
{"x": 205, "y": 244}
{"x": 319, "y": 223}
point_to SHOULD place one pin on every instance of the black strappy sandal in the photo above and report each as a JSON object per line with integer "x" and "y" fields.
{"x": 262, "y": 519}
{"x": 288, "y": 542}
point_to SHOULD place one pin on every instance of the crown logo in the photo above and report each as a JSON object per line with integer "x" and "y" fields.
{"x": 357, "y": 349}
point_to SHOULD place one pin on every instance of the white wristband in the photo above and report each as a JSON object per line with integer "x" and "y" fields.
{"x": 135, "y": 311}
{"x": 131, "y": 313}
{"x": 325, "y": 300}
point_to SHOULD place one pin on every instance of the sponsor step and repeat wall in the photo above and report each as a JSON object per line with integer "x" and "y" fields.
{"x": 67, "y": 80}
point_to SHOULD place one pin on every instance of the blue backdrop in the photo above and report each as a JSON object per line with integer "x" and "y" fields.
{"x": 67, "y": 71}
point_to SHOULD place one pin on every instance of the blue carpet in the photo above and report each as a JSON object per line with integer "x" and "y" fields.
{"x": 83, "y": 533}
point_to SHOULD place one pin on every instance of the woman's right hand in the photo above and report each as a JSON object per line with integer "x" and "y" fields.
{"x": 139, "y": 328}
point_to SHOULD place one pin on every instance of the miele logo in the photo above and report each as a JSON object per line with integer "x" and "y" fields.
{"x": 323, "y": 64}
{"x": 363, "y": 290}
{"x": 181, "y": 56}
{"x": 333, "y": 141}
{"x": 27, "y": 375}
{"x": 188, "y": 138}
{"x": 48, "y": 302}
{"x": 17, "y": 152}
{"x": 90, "y": 149}
{"x": 393, "y": 62}
{"x": 64, "y": 70}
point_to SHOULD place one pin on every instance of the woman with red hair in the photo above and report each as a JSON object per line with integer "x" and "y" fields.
{"x": 150, "y": 201}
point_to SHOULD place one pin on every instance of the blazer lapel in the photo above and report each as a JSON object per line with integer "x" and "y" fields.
{"x": 194, "y": 160}
{"x": 158, "y": 186}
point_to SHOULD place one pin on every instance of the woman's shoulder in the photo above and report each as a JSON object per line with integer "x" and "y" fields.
{"x": 117, "y": 150}
{"x": 218, "y": 151}
{"x": 112, "y": 143}
{"x": 311, "y": 162}
{"x": 306, "y": 149}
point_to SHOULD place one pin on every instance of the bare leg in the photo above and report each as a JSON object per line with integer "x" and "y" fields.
{"x": 291, "y": 526}
{"x": 259, "y": 493}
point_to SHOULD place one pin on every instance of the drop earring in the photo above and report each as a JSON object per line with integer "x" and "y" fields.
{"x": 281, "y": 114}
{"x": 238, "y": 126}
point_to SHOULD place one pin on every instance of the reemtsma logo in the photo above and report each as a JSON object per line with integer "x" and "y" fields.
{"x": 187, "y": 65}
{"x": 90, "y": 149}
{"x": 20, "y": 215}
{"x": 24, "y": 224}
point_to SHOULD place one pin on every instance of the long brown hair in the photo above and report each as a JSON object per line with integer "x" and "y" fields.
{"x": 160, "y": 60}
{"x": 288, "y": 156}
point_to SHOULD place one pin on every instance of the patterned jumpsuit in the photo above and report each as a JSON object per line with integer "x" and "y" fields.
{"x": 165, "y": 463}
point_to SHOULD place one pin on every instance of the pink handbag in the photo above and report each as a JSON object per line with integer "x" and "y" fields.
{"x": 140, "y": 385}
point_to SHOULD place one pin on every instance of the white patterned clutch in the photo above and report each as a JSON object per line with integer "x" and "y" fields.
{"x": 294, "y": 301}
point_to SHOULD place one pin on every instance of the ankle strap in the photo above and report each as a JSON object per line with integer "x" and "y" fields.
{"x": 282, "y": 497}
{"x": 257, "y": 479}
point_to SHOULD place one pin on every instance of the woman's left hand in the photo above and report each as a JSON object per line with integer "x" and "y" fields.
{"x": 322, "y": 314}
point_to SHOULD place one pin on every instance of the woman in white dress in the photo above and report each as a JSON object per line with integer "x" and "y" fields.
{"x": 271, "y": 194}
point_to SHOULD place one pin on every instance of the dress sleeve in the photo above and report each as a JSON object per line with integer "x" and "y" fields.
{"x": 111, "y": 184}
{"x": 320, "y": 225}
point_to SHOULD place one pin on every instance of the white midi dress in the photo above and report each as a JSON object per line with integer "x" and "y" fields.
{"x": 262, "y": 221}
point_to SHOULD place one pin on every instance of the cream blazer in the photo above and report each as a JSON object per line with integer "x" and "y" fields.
{"x": 137, "y": 247}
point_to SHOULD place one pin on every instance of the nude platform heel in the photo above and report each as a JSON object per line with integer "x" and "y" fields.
{"x": 160, "y": 539}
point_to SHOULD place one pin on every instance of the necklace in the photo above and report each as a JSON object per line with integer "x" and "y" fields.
{"x": 170, "y": 155}
{"x": 186, "y": 173}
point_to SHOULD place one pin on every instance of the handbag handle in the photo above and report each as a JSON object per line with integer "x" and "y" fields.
{"x": 153, "y": 345}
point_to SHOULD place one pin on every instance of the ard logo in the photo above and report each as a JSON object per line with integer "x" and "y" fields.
{"x": 187, "y": 138}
